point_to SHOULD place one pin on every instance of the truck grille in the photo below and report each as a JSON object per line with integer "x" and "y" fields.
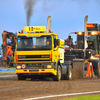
{"x": 27, "y": 58}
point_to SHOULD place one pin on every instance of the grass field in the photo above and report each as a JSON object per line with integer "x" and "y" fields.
{"x": 89, "y": 97}
{"x": 7, "y": 70}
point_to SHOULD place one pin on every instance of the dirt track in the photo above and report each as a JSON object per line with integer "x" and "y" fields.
{"x": 12, "y": 89}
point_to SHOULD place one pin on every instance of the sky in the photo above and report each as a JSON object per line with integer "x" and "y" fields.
{"x": 66, "y": 15}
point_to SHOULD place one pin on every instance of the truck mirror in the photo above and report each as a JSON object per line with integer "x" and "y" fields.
{"x": 58, "y": 42}
{"x": 13, "y": 46}
{"x": 12, "y": 39}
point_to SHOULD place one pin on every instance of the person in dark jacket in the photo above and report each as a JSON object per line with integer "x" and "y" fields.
{"x": 90, "y": 43}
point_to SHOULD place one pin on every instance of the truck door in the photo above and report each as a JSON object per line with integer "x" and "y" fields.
{"x": 55, "y": 52}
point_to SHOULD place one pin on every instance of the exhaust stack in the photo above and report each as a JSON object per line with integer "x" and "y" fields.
{"x": 48, "y": 23}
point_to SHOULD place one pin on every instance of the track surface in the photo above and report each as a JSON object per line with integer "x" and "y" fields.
{"x": 12, "y": 89}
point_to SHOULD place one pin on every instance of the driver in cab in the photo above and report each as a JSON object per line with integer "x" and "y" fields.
{"x": 47, "y": 43}
{"x": 90, "y": 43}
{"x": 26, "y": 44}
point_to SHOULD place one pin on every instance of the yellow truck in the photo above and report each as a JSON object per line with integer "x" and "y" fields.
{"x": 40, "y": 53}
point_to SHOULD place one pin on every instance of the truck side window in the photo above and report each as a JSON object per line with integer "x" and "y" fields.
{"x": 54, "y": 41}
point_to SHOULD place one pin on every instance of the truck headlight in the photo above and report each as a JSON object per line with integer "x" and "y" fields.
{"x": 49, "y": 66}
{"x": 18, "y": 67}
{"x": 89, "y": 52}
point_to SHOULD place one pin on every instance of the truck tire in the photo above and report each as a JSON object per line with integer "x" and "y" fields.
{"x": 58, "y": 76}
{"x": 69, "y": 73}
{"x": 21, "y": 77}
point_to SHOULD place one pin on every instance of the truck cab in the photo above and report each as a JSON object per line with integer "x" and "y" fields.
{"x": 86, "y": 48}
{"x": 38, "y": 53}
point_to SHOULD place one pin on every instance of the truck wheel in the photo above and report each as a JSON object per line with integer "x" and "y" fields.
{"x": 21, "y": 77}
{"x": 58, "y": 76}
{"x": 69, "y": 73}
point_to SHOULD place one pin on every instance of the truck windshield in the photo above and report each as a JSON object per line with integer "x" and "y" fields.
{"x": 91, "y": 42}
{"x": 34, "y": 43}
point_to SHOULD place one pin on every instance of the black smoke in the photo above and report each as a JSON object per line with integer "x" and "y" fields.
{"x": 29, "y": 7}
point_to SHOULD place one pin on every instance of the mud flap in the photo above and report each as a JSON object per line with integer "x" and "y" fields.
{"x": 78, "y": 68}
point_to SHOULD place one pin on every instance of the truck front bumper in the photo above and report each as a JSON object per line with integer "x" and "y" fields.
{"x": 36, "y": 71}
